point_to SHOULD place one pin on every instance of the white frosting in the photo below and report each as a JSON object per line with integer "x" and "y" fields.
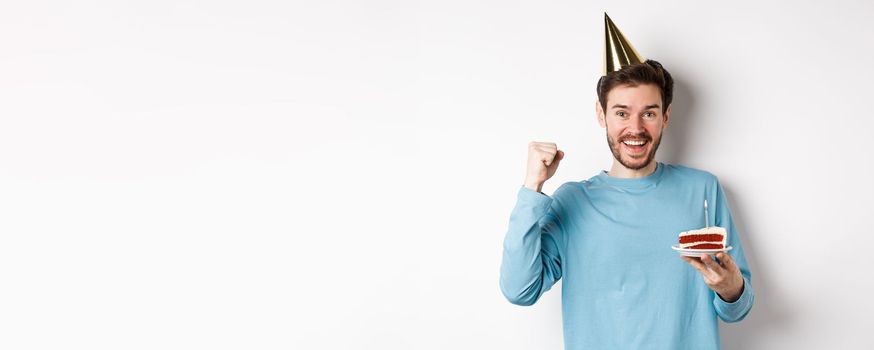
{"x": 687, "y": 245}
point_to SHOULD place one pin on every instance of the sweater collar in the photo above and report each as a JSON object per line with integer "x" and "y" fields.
{"x": 633, "y": 183}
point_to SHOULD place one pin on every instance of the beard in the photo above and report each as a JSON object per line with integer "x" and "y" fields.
{"x": 648, "y": 157}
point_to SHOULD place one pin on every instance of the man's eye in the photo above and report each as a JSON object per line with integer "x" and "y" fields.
{"x": 649, "y": 114}
{"x": 620, "y": 113}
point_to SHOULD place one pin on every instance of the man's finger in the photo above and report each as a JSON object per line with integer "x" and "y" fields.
{"x": 547, "y": 147}
{"x": 712, "y": 264}
{"x": 695, "y": 263}
{"x": 548, "y": 157}
{"x": 726, "y": 261}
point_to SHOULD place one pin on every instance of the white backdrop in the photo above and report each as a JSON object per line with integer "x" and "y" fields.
{"x": 340, "y": 174}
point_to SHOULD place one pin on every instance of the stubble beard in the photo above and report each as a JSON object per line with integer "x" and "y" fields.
{"x": 617, "y": 153}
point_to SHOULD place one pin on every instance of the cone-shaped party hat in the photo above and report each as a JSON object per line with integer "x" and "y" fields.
{"x": 618, "y": 52}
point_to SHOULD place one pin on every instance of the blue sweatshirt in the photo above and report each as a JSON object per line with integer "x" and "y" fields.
{"x": 610, "y": 240}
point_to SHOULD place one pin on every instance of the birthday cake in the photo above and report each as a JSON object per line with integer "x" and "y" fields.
{"x": 706, "y": 238}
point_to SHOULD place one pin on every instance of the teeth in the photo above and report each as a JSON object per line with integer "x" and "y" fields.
{"x": 634, "y": 143}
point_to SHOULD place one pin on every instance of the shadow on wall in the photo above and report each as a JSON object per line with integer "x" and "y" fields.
{"x": 680, "y": 126}
{"x": 766, "y": 316}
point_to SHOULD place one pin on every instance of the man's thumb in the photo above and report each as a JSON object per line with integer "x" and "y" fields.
{"x": 559, "y": 156}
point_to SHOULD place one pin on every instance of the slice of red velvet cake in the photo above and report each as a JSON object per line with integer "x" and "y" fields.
{"x": 706, "y": 238}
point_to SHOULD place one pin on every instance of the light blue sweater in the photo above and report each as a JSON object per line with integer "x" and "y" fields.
{"x": 610, "y": 240}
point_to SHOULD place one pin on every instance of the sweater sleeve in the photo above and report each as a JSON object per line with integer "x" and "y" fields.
{"x": 531, "y": 261}
{"x": 737, "y": 310}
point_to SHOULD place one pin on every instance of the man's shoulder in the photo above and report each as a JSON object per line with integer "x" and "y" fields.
{"x": 574, "y": 190}
{"x": 570, "y": 189}
{"x": 688, "y": 173}
{"x": 567, "y": 187}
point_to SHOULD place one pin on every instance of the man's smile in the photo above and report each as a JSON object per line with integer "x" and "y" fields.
{"x": 635, "y": 146}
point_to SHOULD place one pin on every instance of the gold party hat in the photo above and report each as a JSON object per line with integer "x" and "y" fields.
{"x": 618, "y": 52}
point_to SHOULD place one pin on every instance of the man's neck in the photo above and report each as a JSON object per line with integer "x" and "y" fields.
{"x": 619, "y": 170}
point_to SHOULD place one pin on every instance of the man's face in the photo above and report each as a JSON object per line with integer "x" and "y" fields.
{"x": 634, "y": 122}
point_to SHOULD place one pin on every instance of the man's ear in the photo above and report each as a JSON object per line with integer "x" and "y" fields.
{"x": 667, "y": 116}
{"x": 600, "y": 112}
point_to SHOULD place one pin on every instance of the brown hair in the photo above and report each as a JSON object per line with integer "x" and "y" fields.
{"x": 649, "y": 72}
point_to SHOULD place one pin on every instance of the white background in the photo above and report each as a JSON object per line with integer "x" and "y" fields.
{"x": 340, "y": 174}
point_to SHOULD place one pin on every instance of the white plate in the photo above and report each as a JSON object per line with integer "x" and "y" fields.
{"x": 698, "y": 252}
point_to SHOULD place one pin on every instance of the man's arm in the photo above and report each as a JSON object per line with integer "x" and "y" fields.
{"x": 531, "y": 260}
{"x": 735, "y": 309}
{"x": 729, "y": 276}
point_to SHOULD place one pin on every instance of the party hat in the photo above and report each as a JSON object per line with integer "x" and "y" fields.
{"x": 618, "y": 52}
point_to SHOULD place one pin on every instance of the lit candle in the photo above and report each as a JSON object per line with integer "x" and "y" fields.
{"x": 706, "y": 215}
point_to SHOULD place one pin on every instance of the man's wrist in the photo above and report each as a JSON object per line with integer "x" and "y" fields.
{"x": 732, "y": 297}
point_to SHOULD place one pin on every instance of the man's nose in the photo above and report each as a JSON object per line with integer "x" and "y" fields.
{"x": 636, "y": 124}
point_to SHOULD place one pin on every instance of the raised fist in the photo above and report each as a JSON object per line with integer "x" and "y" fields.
{"x": 543, "y": 159}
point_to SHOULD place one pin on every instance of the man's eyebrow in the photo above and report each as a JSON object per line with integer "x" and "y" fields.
{"x": 647, "y": 106}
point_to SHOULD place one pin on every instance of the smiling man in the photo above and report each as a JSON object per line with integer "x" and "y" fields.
{"x": 609, "y": 237}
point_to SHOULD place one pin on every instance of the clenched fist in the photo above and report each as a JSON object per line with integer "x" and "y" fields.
{"x": 543, "y": 159}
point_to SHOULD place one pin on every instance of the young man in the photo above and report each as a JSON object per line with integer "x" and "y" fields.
{"x": 609, "y": 237}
